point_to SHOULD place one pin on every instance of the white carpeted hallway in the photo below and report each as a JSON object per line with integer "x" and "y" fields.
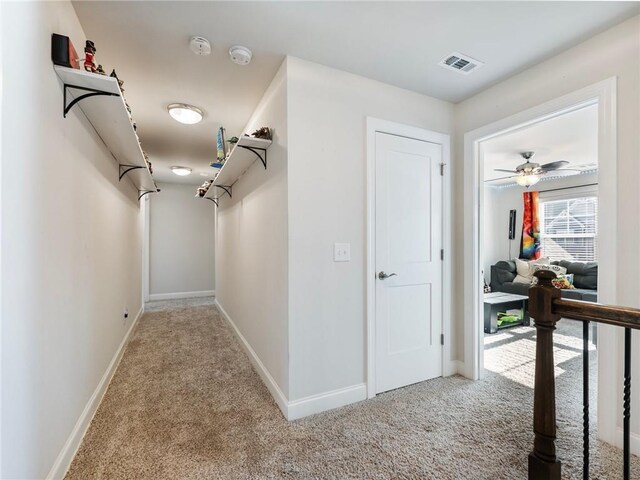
{"x": 185, "y": 403}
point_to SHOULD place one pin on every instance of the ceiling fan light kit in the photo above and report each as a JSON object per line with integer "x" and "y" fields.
{"x": 527, "y": 180}
{"x": 530, "y": 173}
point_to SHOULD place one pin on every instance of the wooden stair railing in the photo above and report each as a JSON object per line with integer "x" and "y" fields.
{"x": 546, "y": 308}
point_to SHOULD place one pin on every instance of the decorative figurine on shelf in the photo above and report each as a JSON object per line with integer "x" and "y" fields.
{"x": 263, "y": 132}
{"x": 203, "y": 189}
{"x": 233, "y": 140}
{"x": 100, "y": 70}
{"x": 220, "y": 146}
{"x": 89, "y": 54}
{"x": 147, "y": 161}
{"x": 120, "y": 82}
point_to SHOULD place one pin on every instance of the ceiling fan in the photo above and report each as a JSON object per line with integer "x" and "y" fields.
{"x": 530, "y": 173}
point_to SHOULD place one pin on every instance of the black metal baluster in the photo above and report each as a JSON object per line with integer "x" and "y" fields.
{"x": 585, "y": 400}
{"x": 627, "y": 402}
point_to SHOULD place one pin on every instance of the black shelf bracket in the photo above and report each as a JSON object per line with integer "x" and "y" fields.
{"x": 257, "y": 151}
{"x": 124, "y": 169}
{"x": 92, "y": 93}
{"x": 142, "y": 193}
{"x": 214, "y": 200}
{"x": 227, "y": 189}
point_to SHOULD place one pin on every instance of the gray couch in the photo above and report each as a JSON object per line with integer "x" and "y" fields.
{"x": 585, "y": 279}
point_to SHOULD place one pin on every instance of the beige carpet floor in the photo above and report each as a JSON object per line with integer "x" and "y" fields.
{"x": 185, "y": 403}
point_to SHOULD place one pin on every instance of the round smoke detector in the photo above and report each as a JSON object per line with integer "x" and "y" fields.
{"x": 240, "y": 55}
{"x": 200, "y": 46}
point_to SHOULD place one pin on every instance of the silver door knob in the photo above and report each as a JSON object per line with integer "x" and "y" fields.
{"x": 383, "y": 275}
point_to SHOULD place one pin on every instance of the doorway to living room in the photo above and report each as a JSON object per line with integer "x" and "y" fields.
{"x": 552, "y": 190}
{"x": 539, "y": 209}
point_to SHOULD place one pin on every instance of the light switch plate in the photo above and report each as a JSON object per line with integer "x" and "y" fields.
{"x": 341, "y": 252}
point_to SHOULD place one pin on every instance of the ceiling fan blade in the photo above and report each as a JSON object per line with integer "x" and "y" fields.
{"x": 502, "y": 170}
{"x": 554, "y": 165}
{"x": 500, "y": 178}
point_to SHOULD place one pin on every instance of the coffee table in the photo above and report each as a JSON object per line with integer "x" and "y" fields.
{"x": 496, "y": 302}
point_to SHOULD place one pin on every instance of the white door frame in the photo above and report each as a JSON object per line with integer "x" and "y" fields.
{"x": 373, "y": 126}
{"x": 146, "y": 250}
{"x": 604, "y": 95}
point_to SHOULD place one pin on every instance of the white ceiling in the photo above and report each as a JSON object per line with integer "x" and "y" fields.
{"x": 399, "y": 43}
{"x": 572, "y": 137}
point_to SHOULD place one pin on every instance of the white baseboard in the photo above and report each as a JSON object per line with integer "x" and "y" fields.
{"x": 272, "y": 386}
{"x": 304, "y": 406}
{"x": 634, "y": 441}
{"x": 452, "y": 367}
{"x": 177, "y": 295}
{"x": 326, "y": 401}
{"x": 70, "y": 448}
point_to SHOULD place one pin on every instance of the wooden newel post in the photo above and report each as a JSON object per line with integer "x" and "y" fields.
{"x": 542, "y": 460}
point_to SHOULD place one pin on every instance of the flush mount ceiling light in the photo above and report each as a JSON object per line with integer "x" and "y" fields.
{"x": 183, "y": 113}
{"x": 181, "y": 171}
{"x": 240, "y": 55}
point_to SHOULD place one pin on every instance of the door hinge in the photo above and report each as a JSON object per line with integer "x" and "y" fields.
{"x": 442, "y": 339}
{"x": 442, "y": 254}
{"x": 442, "y": 169}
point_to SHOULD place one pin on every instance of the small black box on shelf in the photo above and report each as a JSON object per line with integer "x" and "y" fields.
{"x": 60, "y": 50}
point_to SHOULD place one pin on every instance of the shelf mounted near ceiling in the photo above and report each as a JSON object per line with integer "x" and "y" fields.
{"x": 142, "y": 193}
{"x": 256, "y": 151}
{"x": 124, "y": 169}
{"x": 92, "y": 93}
{"x": 226, "y": 188}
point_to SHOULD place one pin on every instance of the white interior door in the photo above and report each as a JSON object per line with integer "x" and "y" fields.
{"x": 408, "y": 242}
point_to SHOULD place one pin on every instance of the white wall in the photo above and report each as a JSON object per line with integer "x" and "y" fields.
{"x": 252, "y": 242}
{"x": 181, "y": 243}
{"x": 71, "y": 247}
{"x": 327, "y": 159}
{"x": 497, "y": 202}
{"x": 613, "y": 53}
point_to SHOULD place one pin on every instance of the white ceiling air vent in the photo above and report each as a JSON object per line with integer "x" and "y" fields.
{"x": 460, "y": 63}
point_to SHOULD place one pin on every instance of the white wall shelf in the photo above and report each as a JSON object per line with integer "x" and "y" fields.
{"x": 100, "y": 99}
{"x": 243, "y": 155}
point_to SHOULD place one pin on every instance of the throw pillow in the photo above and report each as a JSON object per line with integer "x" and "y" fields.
{"x": 563, "y": 281}
{"x": 557, "y": 269}
{"x": 524, "y": 269}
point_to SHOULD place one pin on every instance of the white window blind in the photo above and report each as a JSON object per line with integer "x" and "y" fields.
{"x": 569, "y": 229}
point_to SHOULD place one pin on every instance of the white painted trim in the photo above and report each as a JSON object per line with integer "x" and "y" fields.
{"x": 326, "y": 401}
{"x": 604, "y": 95}
{"x": 452, "y": 367}
{"x": 70, "y": 448}
{"x": 146, "y": 251}
{"x": 374, "y": 125}
{"x": 267, "y": 379}
{"x": 177, "y": 295}
{"x": 634, "y": 443}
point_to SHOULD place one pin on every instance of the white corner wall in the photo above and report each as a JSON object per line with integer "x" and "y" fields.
{"x": 71, "y": 250}
{"x": 251, "y": 250}
{"x": 613, "y": 53}
{"x": 181, "y": 243}
{"x": 327, "y": 176}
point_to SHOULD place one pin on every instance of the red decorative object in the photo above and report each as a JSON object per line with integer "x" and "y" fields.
{"x": 89, "y": 54}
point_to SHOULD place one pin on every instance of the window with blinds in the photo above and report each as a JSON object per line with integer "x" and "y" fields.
{"x": 569, "y": 229}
